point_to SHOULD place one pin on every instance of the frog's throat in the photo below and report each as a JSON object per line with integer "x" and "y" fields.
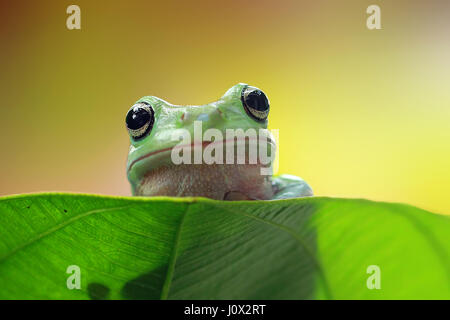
{"x": 220, "y": 182}
{"x": 155, "y": 174}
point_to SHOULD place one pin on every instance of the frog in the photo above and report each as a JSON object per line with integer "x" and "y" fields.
{"x": 157, "y": 128}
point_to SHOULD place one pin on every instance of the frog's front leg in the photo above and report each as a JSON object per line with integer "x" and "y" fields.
{"x": 287, "y": 186}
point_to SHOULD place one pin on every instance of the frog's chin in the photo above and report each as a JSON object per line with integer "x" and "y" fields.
{"x": 167, "y": 172}
{"x": 215, "y": 181}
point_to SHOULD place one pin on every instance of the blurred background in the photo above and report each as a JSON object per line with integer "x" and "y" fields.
{"x": 361, "y": 113}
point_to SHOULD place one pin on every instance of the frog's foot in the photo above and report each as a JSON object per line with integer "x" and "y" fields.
{"x": 287, "y": 186}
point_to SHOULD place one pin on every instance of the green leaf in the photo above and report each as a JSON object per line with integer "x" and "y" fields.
{"x": 168, "y": 248}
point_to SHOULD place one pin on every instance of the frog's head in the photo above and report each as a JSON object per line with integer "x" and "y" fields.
{"x": 158, "y": 128}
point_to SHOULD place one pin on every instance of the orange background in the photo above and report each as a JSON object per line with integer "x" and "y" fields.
{"x": 360, "y": 113}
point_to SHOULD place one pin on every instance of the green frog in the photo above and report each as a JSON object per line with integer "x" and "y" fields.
{"x": 207, "y": 151}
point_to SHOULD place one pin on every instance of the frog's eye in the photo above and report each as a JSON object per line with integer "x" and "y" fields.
{"x": 140, "y": 120}
{"x": 255, "y": 103}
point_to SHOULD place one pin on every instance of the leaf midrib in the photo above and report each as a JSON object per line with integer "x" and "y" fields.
{"x": 173, "y": 258}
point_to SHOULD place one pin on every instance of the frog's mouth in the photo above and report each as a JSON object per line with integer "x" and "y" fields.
{"x": 226, "y": 142}
{"x": 156, "y": 174}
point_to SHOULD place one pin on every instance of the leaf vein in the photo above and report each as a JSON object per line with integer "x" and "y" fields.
{"x": 299, "y": 239}
{"x": 55, "y": 228}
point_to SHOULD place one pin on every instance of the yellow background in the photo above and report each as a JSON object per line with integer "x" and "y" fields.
{"x": 360, "y": 113}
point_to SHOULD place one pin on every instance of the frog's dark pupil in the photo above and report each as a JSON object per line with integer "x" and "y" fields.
{"x": 137, "y": 118}
{"x": 257, "y": 100}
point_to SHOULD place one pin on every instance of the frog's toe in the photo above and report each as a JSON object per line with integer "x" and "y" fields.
{"x": 288, "y": 186}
